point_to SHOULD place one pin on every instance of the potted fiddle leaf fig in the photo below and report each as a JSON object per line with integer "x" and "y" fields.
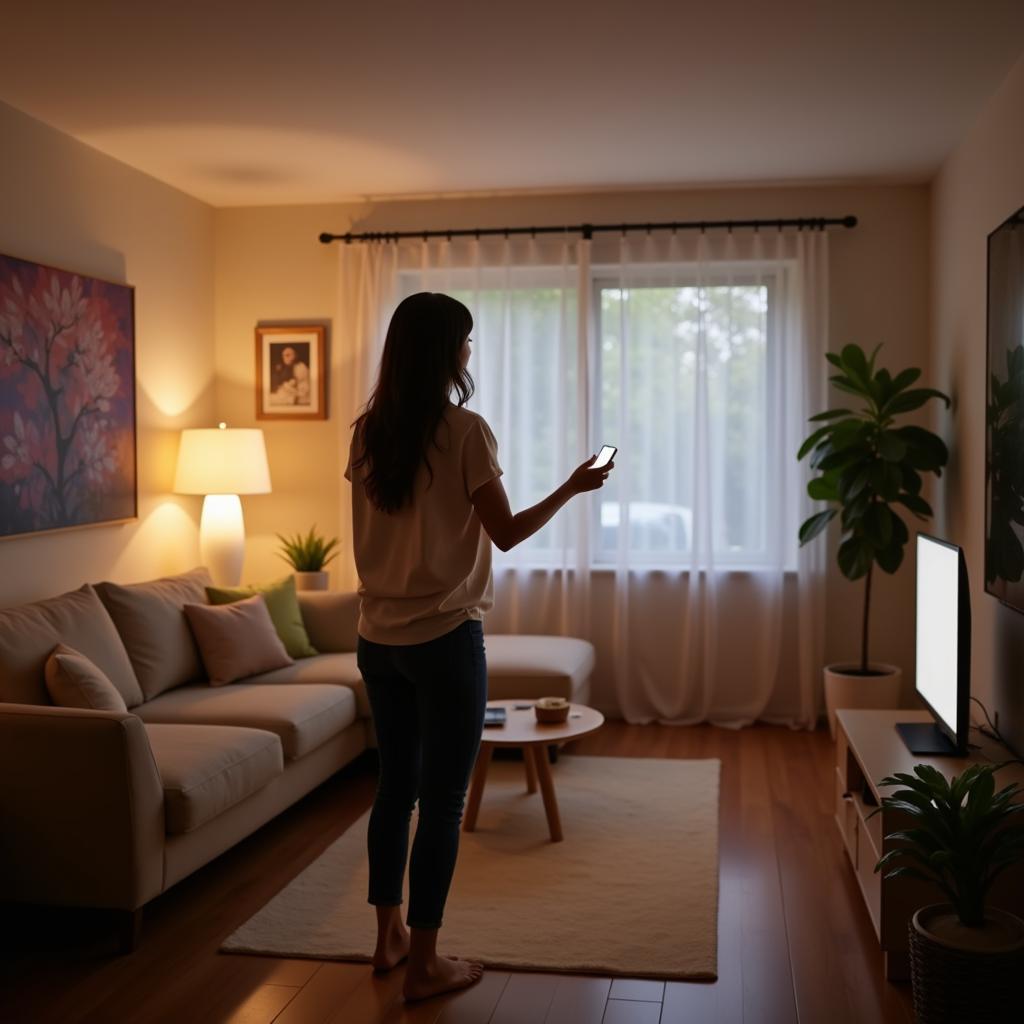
{"x": 869, "y": 467}
{"x": 308, "y": 555}
{"x": 961, "y": 835}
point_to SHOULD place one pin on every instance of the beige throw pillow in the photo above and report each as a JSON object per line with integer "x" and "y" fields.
{"x": 149, "y": 619}
{"x": 236, "y": 640}
{"x": 73, "y": 681}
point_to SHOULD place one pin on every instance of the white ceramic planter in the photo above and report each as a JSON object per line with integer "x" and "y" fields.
{"x": 845, "y": 690}
{"x": 312, "y": 580}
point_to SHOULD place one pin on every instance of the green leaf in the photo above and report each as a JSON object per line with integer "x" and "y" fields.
{"x": 890, "y": 558}
{"x": 813, "y": 526}
{"x": 855, "y": 364}
{"x": 812, "y": 441}
{"x": 878, "y": 524}
{"x": 908, "y": 401}
{"x": 823, "y": 488}
{"x": 916, "y": 504}
{"x": 852, "y": 481}
{"x": 830, "y": 415}
{"x": 905, "y": 379}
{"x": 855, "y": 557}
{"x": 886, "y": 479}
{"x": 911, "y": 480}
{"x": 891, "y": 446}
{"x": 850, "y": 387}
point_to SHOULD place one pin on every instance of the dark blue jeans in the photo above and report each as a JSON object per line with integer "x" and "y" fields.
{"x": 428, "y": 705}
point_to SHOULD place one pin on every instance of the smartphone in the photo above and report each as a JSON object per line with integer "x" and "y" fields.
{"x": 604, "y": 456}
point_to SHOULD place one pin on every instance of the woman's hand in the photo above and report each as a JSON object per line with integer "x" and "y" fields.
{"x": 586, "y": 479}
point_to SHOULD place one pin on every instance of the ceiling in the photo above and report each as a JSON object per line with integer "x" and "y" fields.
{"x": 304, "y": 102}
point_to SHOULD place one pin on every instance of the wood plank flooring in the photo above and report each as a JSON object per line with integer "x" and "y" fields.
{"x": 795, "y": 941}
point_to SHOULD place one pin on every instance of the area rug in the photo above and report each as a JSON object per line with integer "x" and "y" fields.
{"x": 632, "y": 890}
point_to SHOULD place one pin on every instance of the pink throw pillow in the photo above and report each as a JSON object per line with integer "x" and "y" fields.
{"x": 236, "y": 640}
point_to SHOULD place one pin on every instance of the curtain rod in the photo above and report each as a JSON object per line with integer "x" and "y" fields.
{"x": 589, "y": 230}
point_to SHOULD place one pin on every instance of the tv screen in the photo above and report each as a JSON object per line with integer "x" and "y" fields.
{"x": 943, "y": 649}
{"x": 1004, "y": 426}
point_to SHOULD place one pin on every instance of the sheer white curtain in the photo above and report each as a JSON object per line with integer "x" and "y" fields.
{"x": 701, "y": 357}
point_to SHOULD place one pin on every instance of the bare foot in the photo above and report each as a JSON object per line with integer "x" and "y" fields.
{"x": 446, "y": 975}
{"x": 392, "y": 948}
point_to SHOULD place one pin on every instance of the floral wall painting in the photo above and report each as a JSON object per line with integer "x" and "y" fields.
{"x": 290, "y": 373}
{"x": 67, "y": 399}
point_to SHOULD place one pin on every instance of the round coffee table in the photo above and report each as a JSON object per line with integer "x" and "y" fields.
{"x": 521, "y": 729}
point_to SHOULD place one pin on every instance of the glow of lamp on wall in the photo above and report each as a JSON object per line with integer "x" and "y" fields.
{"x": 221, "y": 464}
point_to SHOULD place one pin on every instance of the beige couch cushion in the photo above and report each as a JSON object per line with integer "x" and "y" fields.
{"x": 304, "y": 716}
{"x": 73, "y": 681}
{"x": 29, "y": 633}
{"x": 335, "y": 669}
{"x": 205, "y": 769}
{"x": 536, "y": 666}
{"x": 331, "y": 619}
{"x": 152, "y": 625}
{"x": 236, "y": 640}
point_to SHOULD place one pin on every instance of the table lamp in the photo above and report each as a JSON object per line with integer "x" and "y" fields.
{"x": 221, "y": 464}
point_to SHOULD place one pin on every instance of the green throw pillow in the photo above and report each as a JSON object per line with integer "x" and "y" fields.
{"x": 283, "y": 605}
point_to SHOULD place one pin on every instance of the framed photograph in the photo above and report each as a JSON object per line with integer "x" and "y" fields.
{"x": 291, "y": 373}
{"x": 67, "y": 400}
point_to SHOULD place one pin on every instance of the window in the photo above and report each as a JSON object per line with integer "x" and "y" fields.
{"x": 683, "y": 370}
{"x": 680, "y": 380}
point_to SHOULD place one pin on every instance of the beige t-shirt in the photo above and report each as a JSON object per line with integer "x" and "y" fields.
{"x": 427, "y": 568}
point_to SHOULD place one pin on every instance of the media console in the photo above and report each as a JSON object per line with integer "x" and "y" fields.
{"x": 868, "y": 748}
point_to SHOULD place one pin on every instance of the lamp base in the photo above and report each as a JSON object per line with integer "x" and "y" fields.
{"x": 222, "y": 538}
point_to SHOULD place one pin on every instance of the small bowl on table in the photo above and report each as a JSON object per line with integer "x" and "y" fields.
{"x": 551, "y": 710}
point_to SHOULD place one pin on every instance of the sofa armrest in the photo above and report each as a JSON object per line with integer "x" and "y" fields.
{"x": 81, "y": 808}
{"x": 331, "y": 618}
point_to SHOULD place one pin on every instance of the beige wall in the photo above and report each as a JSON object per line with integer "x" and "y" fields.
{"x": 65, "y": 204}
{"x": 979, "y": 186}
{"x": 271, "y": 267}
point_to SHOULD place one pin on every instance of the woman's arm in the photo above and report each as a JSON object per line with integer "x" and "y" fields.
{"x": 508, "y": 530}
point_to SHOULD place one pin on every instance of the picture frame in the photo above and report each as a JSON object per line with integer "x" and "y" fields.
{"x": 291, "y": 373}
{"x": 68, "y": 431}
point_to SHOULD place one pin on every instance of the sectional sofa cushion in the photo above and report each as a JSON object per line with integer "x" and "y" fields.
{"x": 283, "y": 605}
{"x": 334, "y": 669}
{"x": 236, "y": 640}
{"x": 151, "y": 623}
{"x": 73, "y": 681}
{"x": 331, "y": 618}
{"x": 303, "y": 716}
{"x": 536, "y": 666}
{"x": 205, "y": 769}
{"x": 29, "y": 633}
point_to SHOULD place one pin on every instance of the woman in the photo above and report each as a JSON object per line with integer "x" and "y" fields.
{"x": 427, "y": 501}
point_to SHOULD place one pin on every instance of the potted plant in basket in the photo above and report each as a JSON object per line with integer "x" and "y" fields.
{"x": 868, "y": 465}
{"x": 308, "y": 555}
{"x": 965, "y": 956}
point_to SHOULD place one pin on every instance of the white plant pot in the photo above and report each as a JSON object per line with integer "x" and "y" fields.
{"x": 843, "y": 689}
{"x": 312, "y": 580}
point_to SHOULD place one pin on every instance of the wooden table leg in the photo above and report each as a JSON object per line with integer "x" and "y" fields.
{"x": 531, "y": 770}
{"x": 476, "y": 789}
{"x": 547, "y": 789}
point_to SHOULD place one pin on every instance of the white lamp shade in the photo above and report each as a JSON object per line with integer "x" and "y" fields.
{"x": 222, "y": 461}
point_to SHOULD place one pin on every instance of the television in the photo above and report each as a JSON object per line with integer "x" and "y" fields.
{"x": 1004, "y": 414}
{"x": 943, "y": 645}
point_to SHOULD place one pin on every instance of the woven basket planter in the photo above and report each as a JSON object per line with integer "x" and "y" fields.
{"x": 954, "y": 984}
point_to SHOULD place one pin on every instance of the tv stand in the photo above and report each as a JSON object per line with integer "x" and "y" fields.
{"x": 868, "y": 748}
{"x": 926, "y": 738}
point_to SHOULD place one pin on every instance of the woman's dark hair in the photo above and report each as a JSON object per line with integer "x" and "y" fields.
{"x": 420, "y": 367}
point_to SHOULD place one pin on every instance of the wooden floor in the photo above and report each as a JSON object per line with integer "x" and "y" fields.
{"x": 795, "y": 941}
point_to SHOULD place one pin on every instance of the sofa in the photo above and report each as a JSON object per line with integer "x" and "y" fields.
{"x": 104, "y": 808}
